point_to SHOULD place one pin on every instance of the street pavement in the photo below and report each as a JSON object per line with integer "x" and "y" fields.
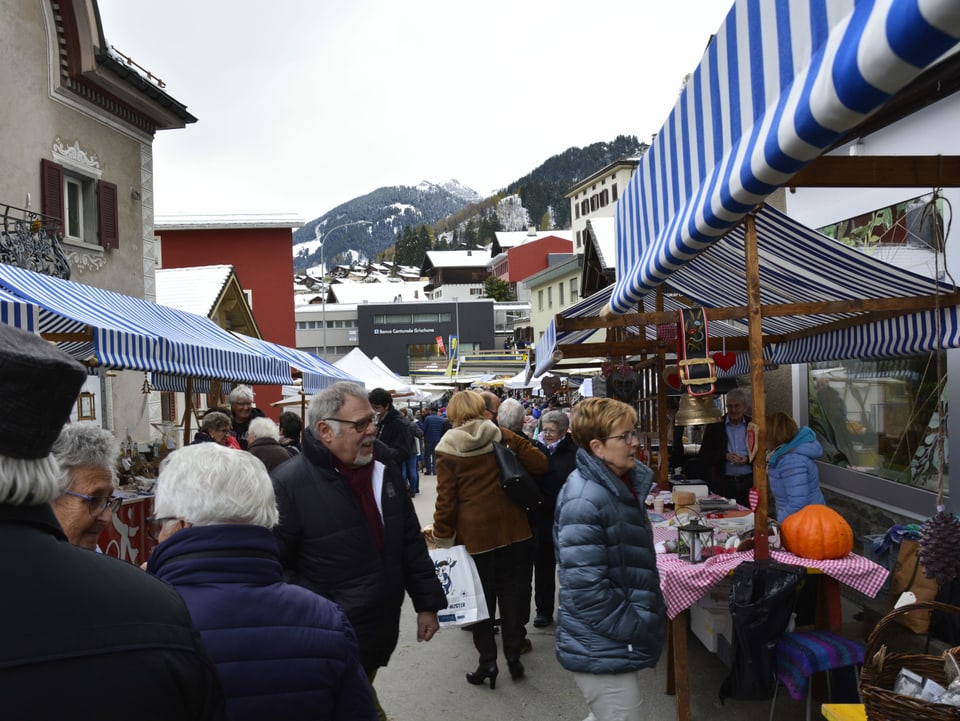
{"x": 425, "y": 681}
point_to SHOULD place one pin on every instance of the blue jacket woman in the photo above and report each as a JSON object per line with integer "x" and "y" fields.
{"x": 282, "y": 651}
{"x": 612, "y": 616}
{"x": 791, "y": 467}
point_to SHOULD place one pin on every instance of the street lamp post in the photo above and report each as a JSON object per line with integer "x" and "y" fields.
{"x": 323, "y": 298}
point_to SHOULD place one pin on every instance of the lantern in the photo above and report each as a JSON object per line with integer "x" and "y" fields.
{"x": 694, "y": 541}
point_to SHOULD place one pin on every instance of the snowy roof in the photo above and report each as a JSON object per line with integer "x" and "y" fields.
{"x": 511, "y": 239}
{"x": 353, "y": 292}
{"x": 605, "y": 231}
{"x": 223, "y": 221}
{"x": 478, "y": 257}
{"x": 195, "y": 290}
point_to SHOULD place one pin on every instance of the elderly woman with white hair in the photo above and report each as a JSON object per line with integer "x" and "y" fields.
{"x": 263, "y": 441}
{"x": 87, "y": 456}
{"x": 243, "y": 411}
{"x": 282, "y": 652}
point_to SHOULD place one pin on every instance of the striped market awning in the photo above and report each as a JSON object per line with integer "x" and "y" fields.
{"x": 18, "y": 313}
{"x": 134, "y": 334}
{"x": 779, "y": 83}
{"x": 316, "y": 373}
{"x": 797, "y": 265}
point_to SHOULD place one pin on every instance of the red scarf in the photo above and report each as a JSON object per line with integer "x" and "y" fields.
{"x": 361, "y": 481}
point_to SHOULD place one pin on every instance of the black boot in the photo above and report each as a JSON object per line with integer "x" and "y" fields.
{"x": 516, "y": 668}
{"x": 486, "y": 671}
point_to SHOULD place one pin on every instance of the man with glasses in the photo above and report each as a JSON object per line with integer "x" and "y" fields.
{"x": 77, "y": 625}
{"x": 87, "y": 455}
{"x": 348, "y": 529}
{"x": 724, "y": 450}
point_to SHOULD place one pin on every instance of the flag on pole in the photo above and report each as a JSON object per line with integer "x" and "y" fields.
{"x": 440, "y": 344}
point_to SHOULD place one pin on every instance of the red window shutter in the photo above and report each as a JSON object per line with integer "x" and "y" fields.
{"x": 108, "y": 214}
{"x": 51, "y": 180}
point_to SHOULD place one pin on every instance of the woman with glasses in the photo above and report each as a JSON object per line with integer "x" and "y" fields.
{"x": 87, "y": 455}
{"x": 472, "y": 509}
{"x": 612, "y": 617}
{"x": 215, "y": 427}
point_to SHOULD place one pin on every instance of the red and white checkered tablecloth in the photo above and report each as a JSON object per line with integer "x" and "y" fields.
{"x": 684, "y": 583}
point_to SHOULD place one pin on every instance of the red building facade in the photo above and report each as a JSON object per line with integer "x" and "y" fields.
{"x": 260, "y": 250}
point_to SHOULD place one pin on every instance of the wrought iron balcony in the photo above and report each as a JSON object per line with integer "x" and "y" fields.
{"x": 32, "y": 241}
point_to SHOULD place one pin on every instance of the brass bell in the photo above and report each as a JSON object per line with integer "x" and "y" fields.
{"x": 696, "y": 411}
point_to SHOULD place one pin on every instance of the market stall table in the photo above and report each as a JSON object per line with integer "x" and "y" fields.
{"x": 683, "y": 584}
{"x": 126, "y": 537}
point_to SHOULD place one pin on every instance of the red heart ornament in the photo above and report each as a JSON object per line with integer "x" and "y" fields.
{"x": 724, "y": 361}
{"x": 671, "y": 375}
{"x": 753, "y": 496}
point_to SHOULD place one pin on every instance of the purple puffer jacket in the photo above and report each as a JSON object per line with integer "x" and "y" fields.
{"x": 282, "y": 652}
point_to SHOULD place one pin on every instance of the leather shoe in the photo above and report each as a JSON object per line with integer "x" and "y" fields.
{"x": 526, "y": 646}
{"x": 542, "y": 621}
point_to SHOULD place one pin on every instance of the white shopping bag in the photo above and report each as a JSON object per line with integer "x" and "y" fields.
{"x": 461, "y": 582}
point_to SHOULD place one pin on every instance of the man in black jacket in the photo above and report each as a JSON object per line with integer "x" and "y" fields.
{"x": 724, "y": 451}
{"x": 348, "y": 529}
{"x": 77, "y": 626}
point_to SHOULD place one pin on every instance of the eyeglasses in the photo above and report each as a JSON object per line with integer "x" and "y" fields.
{"x": 98, "y": 504}
{"x": 359, "y": 426}
{"x": 548, "y": 431}
{"x": 155, "y": 525}
{"x": 628, "y": 437}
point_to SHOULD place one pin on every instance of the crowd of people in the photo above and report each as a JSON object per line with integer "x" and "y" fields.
{"x": 285, "y": 551}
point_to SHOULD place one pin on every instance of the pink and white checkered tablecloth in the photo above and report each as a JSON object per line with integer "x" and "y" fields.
{"x": 684, "y": 583}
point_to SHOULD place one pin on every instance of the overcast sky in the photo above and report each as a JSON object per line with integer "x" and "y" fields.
{"x": 305, "y": 104}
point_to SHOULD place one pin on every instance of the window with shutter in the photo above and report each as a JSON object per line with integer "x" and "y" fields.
{"x": 51, "y": 178}
{"x": 87, "y": 208}
{"x": 108, "y": 214}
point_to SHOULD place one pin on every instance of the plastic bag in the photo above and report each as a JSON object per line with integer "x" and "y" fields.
{"x": 762, "y": 599}
{"x": 461, "y": 583}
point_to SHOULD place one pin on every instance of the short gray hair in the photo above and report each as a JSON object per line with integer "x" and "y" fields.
{"x": 215, "y": 421}
{"x": 559, "y": 417}
{"x": 327, "y": 402}
{"x": 263, "y": 428}
{"x": 738, "y": 394}
{"x": 510, "y": 414}
{"x": 81, "y": 445}
{"x": 208, "y": 484}
{"x": 241, "y": 393}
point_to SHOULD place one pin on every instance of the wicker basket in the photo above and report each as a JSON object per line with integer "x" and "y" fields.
{"x": 877, "y": 677}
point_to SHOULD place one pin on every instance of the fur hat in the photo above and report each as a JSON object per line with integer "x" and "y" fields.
{"x": 39, "y": 384}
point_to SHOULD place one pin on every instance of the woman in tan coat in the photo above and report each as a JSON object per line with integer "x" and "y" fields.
{"x": 473, "y": 510}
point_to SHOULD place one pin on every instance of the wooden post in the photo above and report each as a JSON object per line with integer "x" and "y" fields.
{"x": 663, "y": 421}
{"x": 761, "y": 549}
{"x": 187, "y": 411}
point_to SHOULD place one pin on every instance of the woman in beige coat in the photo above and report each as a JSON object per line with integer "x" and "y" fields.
{"x": 473, "y": 510}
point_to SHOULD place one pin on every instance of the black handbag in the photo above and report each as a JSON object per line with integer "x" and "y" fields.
{"x": 514, "y": 479}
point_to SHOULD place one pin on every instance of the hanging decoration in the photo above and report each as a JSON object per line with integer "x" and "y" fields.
{"x": 723, "y": 360}
{"x": 697, "y": 371}
{"x": 940, "y": 534}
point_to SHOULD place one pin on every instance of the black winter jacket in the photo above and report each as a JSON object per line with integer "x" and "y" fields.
{"x": 397, "y": 434}
{"x": 82, "y": 630}
{"x": 327, "y": 545}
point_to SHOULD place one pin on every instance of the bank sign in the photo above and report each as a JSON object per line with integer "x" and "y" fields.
{"x": 403, "y": 331}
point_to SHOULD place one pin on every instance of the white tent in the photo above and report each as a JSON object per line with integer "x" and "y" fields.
{"x": 373, "y": 374}
{"x": 520, "y": 381}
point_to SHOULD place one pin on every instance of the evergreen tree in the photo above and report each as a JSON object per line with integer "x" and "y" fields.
{"x": 497, "y": 288}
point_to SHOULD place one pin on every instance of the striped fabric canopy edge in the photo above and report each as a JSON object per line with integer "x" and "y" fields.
{"x": 778, "y": 84}
{"x": 134, "y": 334}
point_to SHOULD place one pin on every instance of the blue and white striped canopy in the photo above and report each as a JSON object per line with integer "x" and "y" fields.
{"x": 316, "y": 373}
{"x": 797, "y": 265}
{"x": 18, "y": 313}
{"x": 780, "y": 82}
{"x": 135, "y": 334}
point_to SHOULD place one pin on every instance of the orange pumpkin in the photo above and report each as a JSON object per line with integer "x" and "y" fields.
{"x": 817, "y": 532}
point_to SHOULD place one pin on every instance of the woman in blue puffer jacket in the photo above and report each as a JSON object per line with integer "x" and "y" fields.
{"x": 791, "y": 470}
{"x": 612, "y": 618}
{"x": 283, "y": 653}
